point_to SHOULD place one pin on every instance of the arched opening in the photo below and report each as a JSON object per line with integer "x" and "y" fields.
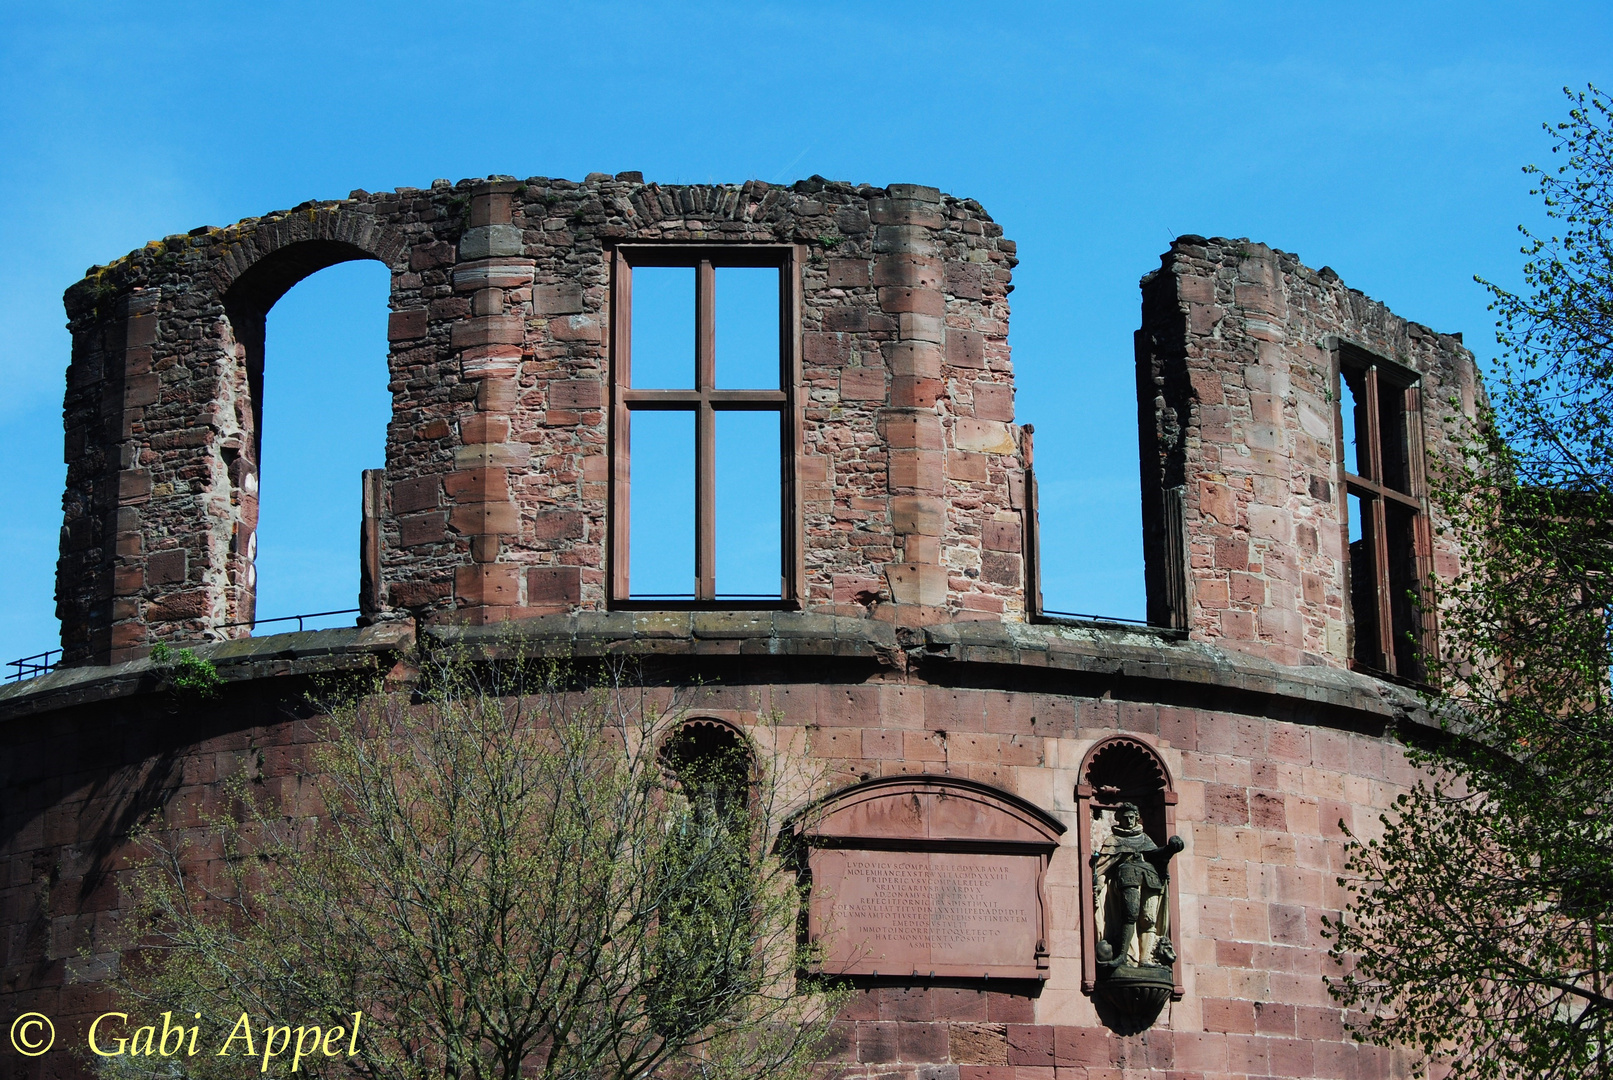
{"x": 310, "y": 327}
{"x": 712, "y": 764}
{"x": 714, "y": 890}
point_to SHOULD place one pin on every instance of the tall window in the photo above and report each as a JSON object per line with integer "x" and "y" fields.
{"x": 324, "y": 412}
{"x": 704, "y": 368}
{"x": 1390, "y": 549}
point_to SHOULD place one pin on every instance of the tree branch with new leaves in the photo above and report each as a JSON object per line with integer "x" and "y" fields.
{"x": 499, "y": 870}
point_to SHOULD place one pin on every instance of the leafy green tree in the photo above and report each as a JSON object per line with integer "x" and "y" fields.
{"x": 508, "y": 876}
{"x": 1480, "y": 925}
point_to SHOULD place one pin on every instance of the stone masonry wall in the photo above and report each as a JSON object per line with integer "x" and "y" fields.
{"x": 1238, "y": 386}
{"x": 497, "y": 454}
{"x": 1267, "y": 763}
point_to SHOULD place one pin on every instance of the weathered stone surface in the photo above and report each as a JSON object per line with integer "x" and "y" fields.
{"x": 490, "y": 240}
{"x": 1238, "y": 367}
{"x": 914, "y": 653}
{"x": 500, "y": 358}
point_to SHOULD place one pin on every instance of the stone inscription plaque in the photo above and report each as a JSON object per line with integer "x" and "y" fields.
{"x": 906, "y": 912}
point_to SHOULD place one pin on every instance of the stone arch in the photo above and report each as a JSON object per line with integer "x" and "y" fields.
{"x": 710, "y": 756}
{"x": 249, "y": 276}
{"x": 283, "y": 259}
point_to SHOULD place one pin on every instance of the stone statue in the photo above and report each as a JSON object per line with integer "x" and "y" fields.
{"x": 1130, "y": 879}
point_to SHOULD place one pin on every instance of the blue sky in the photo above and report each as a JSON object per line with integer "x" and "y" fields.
{"x": 1384, "y": 140}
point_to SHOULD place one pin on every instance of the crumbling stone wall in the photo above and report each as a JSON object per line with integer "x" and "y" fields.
{"x": 497, "y": 455}
{"x": 1243, "y": 489}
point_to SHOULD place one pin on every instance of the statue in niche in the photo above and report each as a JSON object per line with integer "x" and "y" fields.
{"x": 1130, "y": 879}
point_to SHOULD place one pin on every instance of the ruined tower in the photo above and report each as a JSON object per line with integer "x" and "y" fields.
{"x": 905, "y": 643}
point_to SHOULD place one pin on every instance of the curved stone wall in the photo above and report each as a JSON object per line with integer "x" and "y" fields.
{"x": 1266, "y": 761}
{"x": 908, "y": 469}
{"x": 907, "y": 638}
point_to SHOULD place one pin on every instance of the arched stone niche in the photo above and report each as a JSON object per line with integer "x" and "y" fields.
{"x": 712, "y": 760}
{"x": 928, "y": 876}
{"x": 1116, "y": 770}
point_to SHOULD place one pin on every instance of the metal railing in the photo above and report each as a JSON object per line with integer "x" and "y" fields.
{"x": 254, "y": 623}
{"x": 30, "y": 666}
{"x": 1095, "y": 618}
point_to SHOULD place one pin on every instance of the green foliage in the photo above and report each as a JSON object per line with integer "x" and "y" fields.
{"x": 500, "y": 872}
{"x": 1481, "y": 919}
{"x": 185, "y": 673}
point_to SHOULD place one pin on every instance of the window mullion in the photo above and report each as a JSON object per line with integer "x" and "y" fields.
{"x": 621, "y": 325}
{"x": 1380, "y": 573}
{"x": 705, "y": 438}
{"x": 1373, "y": 434}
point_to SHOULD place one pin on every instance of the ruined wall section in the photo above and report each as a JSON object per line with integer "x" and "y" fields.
{"x": 497, "y": 467}
{"x": 1243, "y": 489}
{"x": 162, "y": 419}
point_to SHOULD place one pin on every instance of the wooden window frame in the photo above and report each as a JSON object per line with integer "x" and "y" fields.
{"x": 1382, "y": 382}
{"x": 705, "y": 400}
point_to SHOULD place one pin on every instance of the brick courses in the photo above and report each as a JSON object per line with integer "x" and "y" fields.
{"x": 1266, "y": 763}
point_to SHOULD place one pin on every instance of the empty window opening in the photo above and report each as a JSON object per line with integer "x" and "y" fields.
{"x": 1388, "y": 547}
{"x": 702, "y": 383}
{"x": 747, "y": 313}
{"x": 663, "y": 327}
{"x": 325, "y": 408}
{"x": 748, "y": 504}
{"x": 662, "y": 514}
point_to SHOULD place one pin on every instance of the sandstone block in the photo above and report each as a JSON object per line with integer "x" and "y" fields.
{"x": 862, "y": 384}
{"x": 487, "y": 330}
{"x": 915, "y": 430}
{"x": 406, "y": 325}
{"x": 430, "y": 255}
{"x": 564, "y": 298}
{"x": 919, "y": 359}
{"x": 554, "y": 586}
{"x": 472, "y": 519}
{"x": 846, "y": 273}
{"x": 966, "y": 349}
{"x": 558, "y": 525}
{"x": 487, "y": 241}
{"x": 915, "y": 583}
{"x": 417, "y": 529}
{"x": 492, "y": 274}
{"x": 492, "y": 456}
{"x": 488, "y": 584}
{"x": 965, "y": 280}
{"x": 418, "y": 493}
{"x": 577, "y": 394}
{"x": 1000, "y": 536}
{"x": 994, "y": 401}
{"x": 982, "y": 436}
{"x": 167, "y": 567}
{"x": 484, "y": 428}
{"x": 918, "y": 514}
{"x": 575, "y": 328}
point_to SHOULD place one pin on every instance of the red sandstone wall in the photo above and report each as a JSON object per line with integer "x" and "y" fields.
{"x": 1263, "y": 785}
{"x": 911, "y": 473}
{"x": 1242, "y": 487}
